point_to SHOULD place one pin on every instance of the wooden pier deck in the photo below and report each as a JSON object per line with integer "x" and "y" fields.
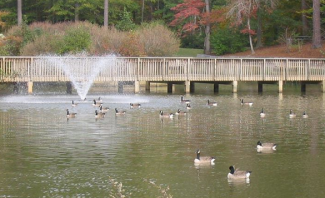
{"x": 170, "y": 70}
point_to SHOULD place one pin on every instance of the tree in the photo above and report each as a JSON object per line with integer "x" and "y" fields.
{"x": 106, "y": 13}
{"x": 188, "y": 15}
{"x": 317, "y": 41}
{"x": 19, "y": 12}
{"x": 207, "y": 48}
{"x": 242, "y": 11}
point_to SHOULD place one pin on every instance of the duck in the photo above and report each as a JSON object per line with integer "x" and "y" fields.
{"x": 185, "y": 101}
{"x": 179, "y": 112}
{"x": 188, "y": 106}
{"x": 212, "y": 103}
{"x": 96, "y": 104}
{"x": 262, "y": 113}
{"x": 117, "y": 112}
{"x": 237, "y": 174}
{"x": 71, "y": 115}
{"x": 266, "y": 145}
{"x": 245, "y": 103}
{"x": 73, "y": 104}
{"x": 292, "y": 114}
{"x": 304, "y": 115}
{"x": 203, "y": 159}
{"x": 103, "y": 109}
{"x": 134, "y": 105}
{"x": 99, "y": 114}
{"x": 166, "y": 115}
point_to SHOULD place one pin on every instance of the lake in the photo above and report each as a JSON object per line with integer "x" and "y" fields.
{"x": 140, "y": 154}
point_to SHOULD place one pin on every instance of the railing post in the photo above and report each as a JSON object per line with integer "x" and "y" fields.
{"x": 263, "y": 77}
{"x": 164, "y": 67}
{"x": 188, "y": 69}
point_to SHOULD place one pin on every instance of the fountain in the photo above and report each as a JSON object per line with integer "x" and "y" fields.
{"x": 81, "y": 70}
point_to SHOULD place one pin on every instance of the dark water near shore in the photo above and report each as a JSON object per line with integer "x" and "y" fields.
{"x": 42, "y": 154}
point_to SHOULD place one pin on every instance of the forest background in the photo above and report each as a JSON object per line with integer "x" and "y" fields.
{"x": 157, "y": 27}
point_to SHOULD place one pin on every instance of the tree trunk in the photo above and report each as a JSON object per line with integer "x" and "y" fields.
{"x": 142, "y": 11}
{"x": 259, "y": 30}
{"x": 317, "y": 41}
{"x": 106, "y": 13}
{"x": 250, "y": 36}
{"x": 207, "y": 48}
{"x": 304, "y": 18}
{"x": 19, "y": 12}
{"x": 76, "y": 12}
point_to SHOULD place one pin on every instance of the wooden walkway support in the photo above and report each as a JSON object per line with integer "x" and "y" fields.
{"x": 169, "y": 70}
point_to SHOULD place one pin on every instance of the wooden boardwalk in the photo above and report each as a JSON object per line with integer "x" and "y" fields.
{"x": 170, "y": 70}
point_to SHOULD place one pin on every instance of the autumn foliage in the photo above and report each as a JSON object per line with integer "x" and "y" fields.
{"x": 75, "y": 37}
{"x": 191, "y": 15}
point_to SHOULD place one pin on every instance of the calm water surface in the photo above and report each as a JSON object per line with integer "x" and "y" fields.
{"x": 42, "y": 154}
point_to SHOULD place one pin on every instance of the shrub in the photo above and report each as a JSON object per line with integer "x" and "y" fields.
{"x": 158, "y": 40}
{"x": 228, "y": 40}
{"x": 76, "y": 39}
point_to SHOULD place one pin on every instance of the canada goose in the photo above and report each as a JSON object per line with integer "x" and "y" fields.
{"x": 99, "y": 114}
{"x": 134, "y": 105}
{"x": 304, "y": 115}
{"x": 292, "y": 115}
{"x": 265, "y": 145}
{"x": 103, "y": 109}
{"x": 99, "y": 100}
{"x": 117, "y": 112}
{"x": 179, "y": 112}
{"x": 204, "y": 159}
{"x": 166, "y": 115}
{"x": 188, "y": 106}
{"x": 185, "y": 101}
{"x": 262, "y": 114}
{"x": 96, "y": 104}
{"x": 73, "y": 104}
{"x": 237, "y": 174}
{"x": 245, "y": 103}
{"x": 212, "y": 103}
{"x": 71, "y": 115}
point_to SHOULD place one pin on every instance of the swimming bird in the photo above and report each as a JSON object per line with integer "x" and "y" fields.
{"x": 166, "y": 115}
{"x": 71, "y": 115}
{"x": 103, "y": 109}
{"x": 179, "y": 112}
{"x": 73, "y": 104}
{"x": 134, "y": 105}
{"x": 212, "y": 103}
{"x": 237, "y": 174}
{"x": 96, "y": 104}
{"x": 99, "y": 114}
{"x": 185, "y": 101}
{"x": 292, "y": 114}
{"x": 203, "y": 159}
{"x": 268, "y": 145}
{"x": 304, "y": 115}
{"x": 117, "y": 112}
{"x": 188, "y": 106}
{"x": 245, "y": 103}
{"x": 99, "y": 100}
{"x": 262, "y": 113}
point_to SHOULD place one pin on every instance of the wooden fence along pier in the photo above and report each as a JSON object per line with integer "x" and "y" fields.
{"x": 170, "y": 70}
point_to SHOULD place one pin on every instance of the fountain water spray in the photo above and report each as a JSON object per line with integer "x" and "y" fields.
{"x": 81, "y": 70}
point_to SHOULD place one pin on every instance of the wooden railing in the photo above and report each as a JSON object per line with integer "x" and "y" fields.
{"x": 49, "y": 69}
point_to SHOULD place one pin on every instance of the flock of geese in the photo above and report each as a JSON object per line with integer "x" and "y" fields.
{"x": 234, "y": 173}
{"x": 101, "y": 112}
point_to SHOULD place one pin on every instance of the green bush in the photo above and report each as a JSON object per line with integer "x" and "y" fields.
{"x": 224, "y": 41}
{"x": 76, "y": 39}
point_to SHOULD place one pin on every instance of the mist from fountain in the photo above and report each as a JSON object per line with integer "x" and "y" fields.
{"x": 81, "y": 70}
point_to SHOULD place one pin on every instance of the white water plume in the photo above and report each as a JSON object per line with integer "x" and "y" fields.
{"x": 81, "y": 70}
